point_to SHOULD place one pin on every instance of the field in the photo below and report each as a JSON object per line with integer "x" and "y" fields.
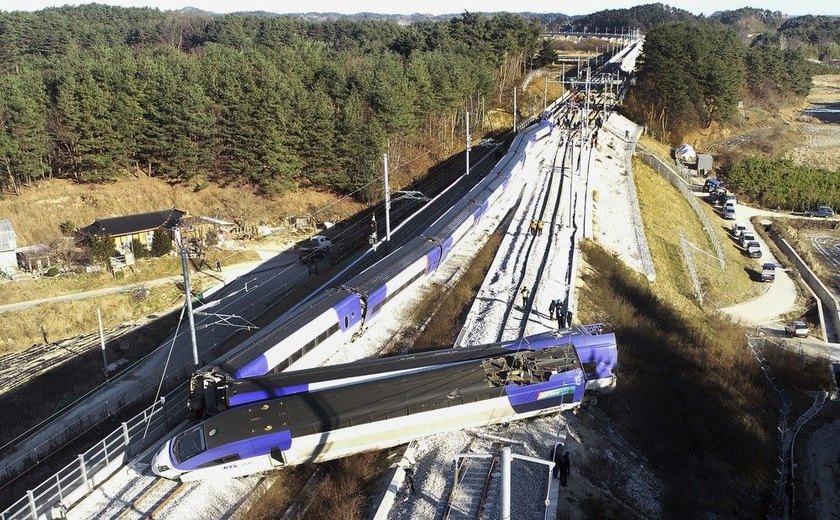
{"x": 786, "y": 132}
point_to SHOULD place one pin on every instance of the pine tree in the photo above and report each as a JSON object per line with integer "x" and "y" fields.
{"x": 161, "y": 242}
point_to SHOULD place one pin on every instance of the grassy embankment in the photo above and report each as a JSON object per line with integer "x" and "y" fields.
{"x": 690, "y": 396}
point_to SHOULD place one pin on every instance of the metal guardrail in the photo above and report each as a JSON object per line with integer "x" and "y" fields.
{"x": 679, "y": 182}
{"x": 72, "y": 483}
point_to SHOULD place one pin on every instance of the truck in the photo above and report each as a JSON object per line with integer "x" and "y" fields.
{"x": 713, "y": 184}
{"x": 314, "y": 249}
{"x": 822, "y": 212}
{"x": 768, "y": 272}
{"x": 797, "y": 328}
{"x": 753, "y": 249}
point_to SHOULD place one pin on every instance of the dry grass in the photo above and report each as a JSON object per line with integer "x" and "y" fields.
{"x": 690, "y": 396}
{"x": 21, "y": 329}
{"x": 663, "y": 206}
{"x": 342, "y": 495}
{"x": 145, "y": 270}
{"x": 38, "y": 211}
{"x": 280, "y": 495}
{"x": 799, "y": 232}
{"x": 798, "y": 371}
{"x": 442, "y": 331}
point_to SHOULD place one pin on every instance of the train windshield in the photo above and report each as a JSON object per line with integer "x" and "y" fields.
{"x": 188, "y": 444}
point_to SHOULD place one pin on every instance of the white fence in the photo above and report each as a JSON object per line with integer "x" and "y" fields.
{"x": 91, "y": 468}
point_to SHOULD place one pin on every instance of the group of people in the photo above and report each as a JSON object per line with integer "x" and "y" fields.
{"x": 536, "y": 227}
{"x": 555, "y": 309}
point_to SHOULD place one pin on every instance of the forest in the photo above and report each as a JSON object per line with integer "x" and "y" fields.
{"x": 694, "y": 73}
{"x": 94, "y": 92}
{"x": 779, "y": 183}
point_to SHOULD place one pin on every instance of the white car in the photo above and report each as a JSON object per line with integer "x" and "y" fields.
{"x": 797, "y": 328}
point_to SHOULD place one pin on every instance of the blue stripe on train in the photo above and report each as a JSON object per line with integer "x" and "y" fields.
{"x": 245, "y": 448}
{"x": 565, "y": 387}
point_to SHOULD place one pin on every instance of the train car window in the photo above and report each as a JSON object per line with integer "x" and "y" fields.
{"x": 346, "y": 322}
{"x": 332, "y": 330}
{"x": 189, "y": 444}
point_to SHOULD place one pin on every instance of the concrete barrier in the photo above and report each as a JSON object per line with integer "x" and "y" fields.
{"x": 817, "y": 286}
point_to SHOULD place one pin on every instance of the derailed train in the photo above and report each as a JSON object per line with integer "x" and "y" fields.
{"x": 320, "y": 414}
{"x": 330, "y": 319}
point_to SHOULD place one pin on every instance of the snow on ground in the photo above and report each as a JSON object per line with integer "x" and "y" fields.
{"x": 614, "y": 227}
{"x": 520, "y": 255}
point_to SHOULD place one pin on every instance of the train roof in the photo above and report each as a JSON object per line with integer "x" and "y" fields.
{"x": 396, "y": 262}
{"x": 269, "y": 337}
{"x": 382, "y": 399}
{"x": 277, "y": 385}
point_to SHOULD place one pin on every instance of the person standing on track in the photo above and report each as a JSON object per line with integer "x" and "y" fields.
{"x": 565, "y": 469}
{"x": 540, "y": 225}
{"x": 533, "y": 227}
{"x": 524, "y": 292}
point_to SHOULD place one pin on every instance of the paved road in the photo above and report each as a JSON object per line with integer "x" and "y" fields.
{"x": 779, "y": 298}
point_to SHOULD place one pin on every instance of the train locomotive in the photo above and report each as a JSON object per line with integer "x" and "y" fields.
{"x": 322, "y": 414}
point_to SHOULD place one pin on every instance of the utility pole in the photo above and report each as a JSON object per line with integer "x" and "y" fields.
{"x": 102, "y": 342}
{"x": 506, "y": 457}
{"x": 188, "y": 293}
{"x": 469, "y": 139}
{"x": 514, "y": 109}
{"x": 545, "y": 93}
{"x": 387, "y": 202}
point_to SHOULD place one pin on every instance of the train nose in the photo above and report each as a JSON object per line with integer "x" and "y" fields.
{"x": 162, "y": 464}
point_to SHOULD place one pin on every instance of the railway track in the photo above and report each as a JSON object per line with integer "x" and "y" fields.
{"x": 533, "y": 248}
{"x": 471, "y": 488}
{"x": 18, "y": 368}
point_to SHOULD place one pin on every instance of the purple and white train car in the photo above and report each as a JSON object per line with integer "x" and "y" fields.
{"x": 405, "y": 401}
{"x": 321, "y": 326}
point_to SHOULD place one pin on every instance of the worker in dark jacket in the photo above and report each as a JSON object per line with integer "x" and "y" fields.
{"x": 551, "y": 307}
{"x": 565, "y": 468}
{"x": 557, "y": 457}
{"x": 524, "y": 292}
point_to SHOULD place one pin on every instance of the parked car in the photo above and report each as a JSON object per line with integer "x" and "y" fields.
{"x": 753, "y": 249}
{"x": 718, "y": 196}
{"x": 728, "y": 213}
{"x": 314, "y": 249}
{"x": 737, "y": 229}
{"x": 768, "y": 272}
{"x": 822, "y": 212}
{"x": 746, "y": 237}
{"x": 712, "y": 184}
{"x": 797, "y": 328}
